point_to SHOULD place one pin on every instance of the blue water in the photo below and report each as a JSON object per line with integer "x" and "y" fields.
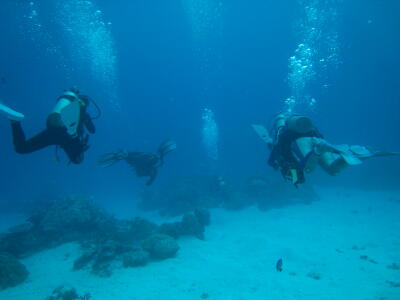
{"x": 161, "y": 85}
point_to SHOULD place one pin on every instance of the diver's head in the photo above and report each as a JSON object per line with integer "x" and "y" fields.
{"x": 70, "y": 93}
{"x": 74, "y": 94}
{"x": 73, "y": 90}
{"x": 84, "y": 100}
{"x": 279, "y": 120}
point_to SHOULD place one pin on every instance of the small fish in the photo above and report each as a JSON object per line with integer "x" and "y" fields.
{"x": 279, "y": 264}
{"x": 3, "y": 80}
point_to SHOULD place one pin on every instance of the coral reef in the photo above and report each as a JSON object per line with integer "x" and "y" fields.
{"x": 100, "y": 256}
{"x": 67, "y": 293}
{"x": 192, "y": 224}
{"x": 61, "y": 221}
{"x": 106, "y": 242}
{"x": 135, "y": 258}
{"x": 185, "y": 194}
{"x": 12, "y": 272}
{"x": 136, "y": 242}
{"x": 160, "y": 246}
{"x": 270, "y": 192}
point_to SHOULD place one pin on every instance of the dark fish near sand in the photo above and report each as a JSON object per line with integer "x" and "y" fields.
{"x": 279, "y": 264}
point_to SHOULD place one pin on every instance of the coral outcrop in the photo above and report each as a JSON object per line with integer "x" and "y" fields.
{"x": 160, "y": 246}
{"x": 66, "y": 293}
{"x": 106, "y": 242}
{"x": 12, "y": 272}
{"x": 185, "y": 194}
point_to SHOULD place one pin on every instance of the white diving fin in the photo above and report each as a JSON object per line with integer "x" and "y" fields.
{"x": 262, "y": 132}
{"x": 10, "y": 113}
{"x": 355, "y": 154}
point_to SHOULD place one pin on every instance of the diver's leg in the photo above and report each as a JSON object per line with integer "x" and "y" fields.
{"x": 39, "y": 141}
{"x": 307, "y": 155}
{"x": 364, "y": 152}
{"x": 73, "y": 147}
{"x": 332, "y": 163}
{"x": 153, "y": 176}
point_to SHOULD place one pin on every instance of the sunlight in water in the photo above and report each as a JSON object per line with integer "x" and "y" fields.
{"x": 210, "y": 134}
{"x": 32, "y": 27}
{"x": 90, "y": 41}
{"x": 204, "y": 16}
{"x": 317, "y": 52}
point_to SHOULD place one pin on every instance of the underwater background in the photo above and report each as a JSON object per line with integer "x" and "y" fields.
{"x": 153, "y": 67}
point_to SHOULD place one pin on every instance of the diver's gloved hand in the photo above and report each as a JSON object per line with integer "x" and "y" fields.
{"x": 295, "y": 176}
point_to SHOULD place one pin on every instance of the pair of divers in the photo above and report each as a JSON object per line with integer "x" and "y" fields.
{"x": 297, "y": 147}
{"x": 68, "y": 127}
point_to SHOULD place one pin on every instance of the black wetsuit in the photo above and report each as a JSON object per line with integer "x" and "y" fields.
{"x": 55, "y": 134}
{"x": 145, "y": 164}
{"x": 282, "y": 156}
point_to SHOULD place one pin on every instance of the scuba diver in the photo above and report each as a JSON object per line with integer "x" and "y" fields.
{"x": 65, "y": 127}
{"x": 297, "y": 147}
{"x": 145, "y": 164}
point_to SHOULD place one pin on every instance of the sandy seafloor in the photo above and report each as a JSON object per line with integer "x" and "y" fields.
{"x": 237, "y": 259}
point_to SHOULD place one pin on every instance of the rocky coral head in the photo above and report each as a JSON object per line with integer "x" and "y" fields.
{"x": 160, "y": 246}
{"x": 12, "y": 272}
{"x": 67, "y": 293}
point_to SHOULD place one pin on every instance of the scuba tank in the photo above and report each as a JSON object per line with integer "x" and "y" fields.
{"x": 68, "y": 108}
{"x": 299, "y": 124}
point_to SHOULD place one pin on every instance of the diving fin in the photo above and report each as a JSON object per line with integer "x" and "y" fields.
{"x": 355, "y": 154}
{"x": 262, "y": 132}
{"x": 349, "y": 156}
{"x": 10, "y": 113}
{"x": 166, "y": 147}
{"x": 351, "y": 159}
{"x": 383, "y": 153}
{"x": 364, "y": 152}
